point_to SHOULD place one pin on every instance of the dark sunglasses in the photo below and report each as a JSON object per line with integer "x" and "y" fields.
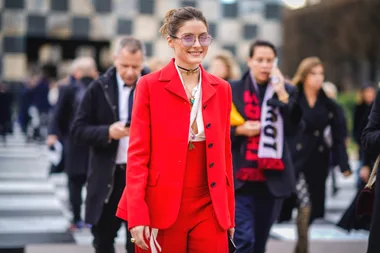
{"x": 188, "y": 40}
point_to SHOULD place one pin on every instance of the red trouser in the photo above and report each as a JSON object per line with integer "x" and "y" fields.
{"x": 196, "y": 229}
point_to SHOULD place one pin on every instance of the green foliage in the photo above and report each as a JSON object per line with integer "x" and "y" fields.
{"x": 348, "y": 101}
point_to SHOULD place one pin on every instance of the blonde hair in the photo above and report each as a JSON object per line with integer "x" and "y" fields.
{"x": 227, "y": 58}
{"x": 175, "y": 18}
{"x": 304, "y": 69}
{"x": 156, "y": 63}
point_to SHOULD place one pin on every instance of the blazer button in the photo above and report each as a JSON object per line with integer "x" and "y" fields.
{"x": 331, "y": 115}
{"x": 316, "y": 133}
{"x": 213, "y": 184}
{"x": 109, "y": 185}
{"x": 321, "y": 149}
{"x": 211, "y": 164}
{"x": 106, "y": 86}
{"x": 114, "y": 107}
{"x": 299, "y": 146}
{"x": 208, "y": 125}
{"x": 210, "y": 145}
{"x": 204, "y": 107}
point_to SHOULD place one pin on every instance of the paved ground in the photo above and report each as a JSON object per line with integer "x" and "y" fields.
{"x": 34, "y": 210}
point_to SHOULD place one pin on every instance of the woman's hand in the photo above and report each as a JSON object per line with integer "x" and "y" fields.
{"x": 138, "y": 233}
{"x": 231, "y": 232}
{"x": 364, "y": 173}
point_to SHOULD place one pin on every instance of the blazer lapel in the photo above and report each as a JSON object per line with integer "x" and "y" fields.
{"x": 209, "y": 84}
{"x": 169, "y": 74}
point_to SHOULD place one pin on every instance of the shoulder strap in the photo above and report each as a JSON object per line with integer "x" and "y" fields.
{"x": 372, "y": 177}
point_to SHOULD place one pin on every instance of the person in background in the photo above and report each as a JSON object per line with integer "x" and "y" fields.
{"x": 179, "y": 194}
{"x": 360, "y": 116}
{"x": 332, "y": 93}
{"x": 53, "y": 133}
{"x": 263, "y": 170}
{"x": 224, "y": 66}
{"x": 25, "y": 102}
{"x": 102, "y": 122}
{"x": 41, "y": 103}
{"x": 76, "y": 155}
{"x": 6, "y": 102}
{"x": 311, "y": 149}
{"x": 155, "y": 64}
{"x": 371, "y": 144}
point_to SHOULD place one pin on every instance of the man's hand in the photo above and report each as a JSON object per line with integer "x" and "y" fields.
{"x": 278, "y": 82}
{"x": 51, "y": 140}
{"x": 140, "y": 233}
{"x": 118, "y": 130}
{"x": 364, "y": 173}
{"x": 249, "y": 128}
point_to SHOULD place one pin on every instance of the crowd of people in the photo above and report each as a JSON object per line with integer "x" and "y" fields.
{"x": 191, "y": 159}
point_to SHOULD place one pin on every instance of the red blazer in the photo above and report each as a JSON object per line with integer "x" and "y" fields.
{"x": 158, "y": 147}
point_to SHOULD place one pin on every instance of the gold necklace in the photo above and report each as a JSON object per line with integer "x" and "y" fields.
{"x": 192, "y": 97}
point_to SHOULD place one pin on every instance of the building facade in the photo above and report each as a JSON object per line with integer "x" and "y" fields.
{"x": 56, "y": 31}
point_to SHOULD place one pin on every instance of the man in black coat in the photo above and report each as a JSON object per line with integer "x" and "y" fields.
{"x": 371, "y": 144}
{"x": 261, "y": 182}
{"x": 102, "y": 122}
{"x": 76, "y": 155}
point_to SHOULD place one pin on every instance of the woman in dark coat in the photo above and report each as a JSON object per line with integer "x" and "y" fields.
{"x": 6, "y": 100}
{"x": 311, "y": 149}
{"x": 371, "y": 144}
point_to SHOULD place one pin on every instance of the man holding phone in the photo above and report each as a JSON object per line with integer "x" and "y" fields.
{"x": 102, "y": 122}
{"x": 263, "y": 170}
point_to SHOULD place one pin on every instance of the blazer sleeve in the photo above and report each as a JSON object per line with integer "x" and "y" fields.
{"x": 339, "y": 149}
{"x": 371, "y": 133}
{"x": 138, "y": 159}
{"x": 229, "y": 170}
{"x": 84, "y": 130}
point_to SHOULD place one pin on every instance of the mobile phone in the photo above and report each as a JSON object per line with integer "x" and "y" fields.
{"x": 275, "y": 79}
{"x": 231, "y": 245}
{"x": 127, "y": 124}
{"x": 275, "y": 62}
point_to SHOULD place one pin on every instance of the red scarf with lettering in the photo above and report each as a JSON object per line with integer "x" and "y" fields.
{"x": 252, "y": 167}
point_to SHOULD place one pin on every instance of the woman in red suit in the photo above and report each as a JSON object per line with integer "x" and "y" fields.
{"x": 179, "y": 196}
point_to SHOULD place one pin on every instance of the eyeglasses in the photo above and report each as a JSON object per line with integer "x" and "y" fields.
{"x": 188, "y": 40}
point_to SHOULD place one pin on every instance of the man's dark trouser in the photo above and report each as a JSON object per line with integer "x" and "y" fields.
{"x": 76, "y": 184}
{"x": 105, "y": 231}
{"x": 254, "y": 217}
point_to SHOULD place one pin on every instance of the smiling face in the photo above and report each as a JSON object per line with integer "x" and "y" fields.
{"x": 189, "y": 56}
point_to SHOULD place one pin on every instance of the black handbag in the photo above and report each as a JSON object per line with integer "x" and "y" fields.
{"x": 366, "y": 198}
